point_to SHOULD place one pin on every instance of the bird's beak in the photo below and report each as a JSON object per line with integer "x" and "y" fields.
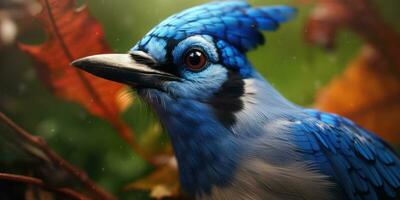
{"x": 134, "y": 69}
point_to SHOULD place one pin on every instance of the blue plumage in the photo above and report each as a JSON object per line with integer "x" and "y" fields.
{"x": 234, "y": 135}
{"x": 361, "y": 161}
{"x": 234, "y": 22}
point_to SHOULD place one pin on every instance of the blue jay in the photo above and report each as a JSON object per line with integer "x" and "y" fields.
{"x": 234, "y": 135}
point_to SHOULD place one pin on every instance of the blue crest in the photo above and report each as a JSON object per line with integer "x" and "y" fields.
{"x": 235, "y": 22}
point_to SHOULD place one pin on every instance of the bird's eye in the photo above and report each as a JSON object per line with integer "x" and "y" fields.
{"x": 195, "y": 59}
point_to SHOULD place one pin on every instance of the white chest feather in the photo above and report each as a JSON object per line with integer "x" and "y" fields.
{"x": 259, "y": 180}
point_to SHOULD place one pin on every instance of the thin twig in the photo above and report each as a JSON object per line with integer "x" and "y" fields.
{"x": 56, "y": 159}
{"x": 35, "y": 181}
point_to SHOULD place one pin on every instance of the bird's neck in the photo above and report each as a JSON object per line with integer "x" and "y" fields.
{"x": 205, "y": 150}
{"x": 208, "y": 151}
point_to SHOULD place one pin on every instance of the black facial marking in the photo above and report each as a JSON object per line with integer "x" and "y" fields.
{"x": 169, "y": 66}
{"x": 226, "y": 102}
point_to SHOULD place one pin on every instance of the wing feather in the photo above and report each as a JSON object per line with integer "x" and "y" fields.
{"x": 361, "y": 163}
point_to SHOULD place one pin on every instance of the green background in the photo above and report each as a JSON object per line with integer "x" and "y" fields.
{"x": 295, "y": 68}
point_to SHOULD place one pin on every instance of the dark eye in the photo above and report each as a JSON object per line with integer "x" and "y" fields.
{"x": 195, "y": 59}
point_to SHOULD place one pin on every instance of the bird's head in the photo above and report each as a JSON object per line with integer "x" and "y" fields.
{"x": 192, "y": 69}
{"x": 198, "y": 54}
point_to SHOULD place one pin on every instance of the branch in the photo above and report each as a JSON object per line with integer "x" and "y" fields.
{"x": 35, "y": 181}
{"x": 56, "y": 159}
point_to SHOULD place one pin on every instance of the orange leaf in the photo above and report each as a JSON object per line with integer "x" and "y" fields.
{"x": 73, "y": 33}
{"x": 368, "y": 92}
{"x": 162, "y": 183}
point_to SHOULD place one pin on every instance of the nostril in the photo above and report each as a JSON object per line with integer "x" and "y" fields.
{"x": 142, "y": 58}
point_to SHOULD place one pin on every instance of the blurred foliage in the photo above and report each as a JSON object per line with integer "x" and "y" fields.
{"x": 293, "y": 67}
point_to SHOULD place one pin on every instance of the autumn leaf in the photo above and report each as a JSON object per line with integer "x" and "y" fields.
{"x": 368, "y": 91}
{"x": 73, "y": 33}
{"x": 162, "y": 183}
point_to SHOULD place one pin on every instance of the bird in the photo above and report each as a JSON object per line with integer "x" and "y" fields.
{"x": 234, "y": 135}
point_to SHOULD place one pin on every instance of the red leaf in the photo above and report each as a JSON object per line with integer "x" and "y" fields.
{"x": 73, "y": 33}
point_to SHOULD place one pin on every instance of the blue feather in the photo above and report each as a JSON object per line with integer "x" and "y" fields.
{"x": 367, "y": 170}
{"x": 224, "y": 116}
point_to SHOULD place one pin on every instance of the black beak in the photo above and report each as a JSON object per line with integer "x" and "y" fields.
{"x": 134, "y": 69}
